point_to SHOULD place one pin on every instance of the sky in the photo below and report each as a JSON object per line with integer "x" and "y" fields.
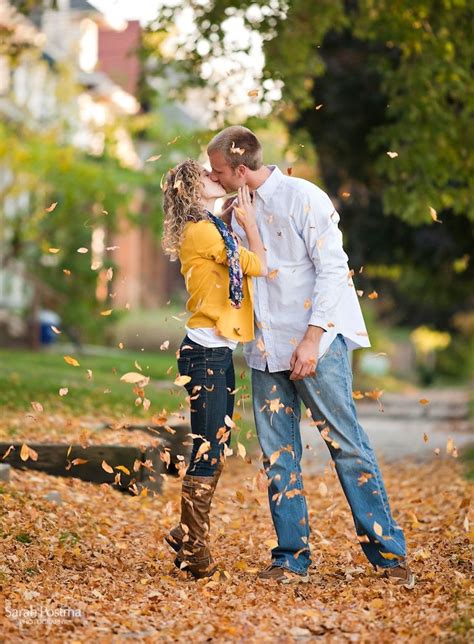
{"x": 143, "y": 10}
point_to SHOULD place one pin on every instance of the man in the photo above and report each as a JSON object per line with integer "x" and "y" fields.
{"x": 307, "y": 317}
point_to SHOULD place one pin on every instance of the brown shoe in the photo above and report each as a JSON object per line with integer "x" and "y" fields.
{"x": 400, "y": 575}
{"x": 174, "y": 538}
{"x": 194, "y": 554}
{"x": 283, "y": 575}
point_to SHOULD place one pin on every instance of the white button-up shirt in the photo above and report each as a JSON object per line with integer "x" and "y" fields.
{"x": 308, "y": 281}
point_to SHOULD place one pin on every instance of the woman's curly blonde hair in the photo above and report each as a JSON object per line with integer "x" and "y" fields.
{"x": 182, "y": 192}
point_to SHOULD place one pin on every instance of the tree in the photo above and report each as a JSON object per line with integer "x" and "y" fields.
{"x": 365, "y": 79}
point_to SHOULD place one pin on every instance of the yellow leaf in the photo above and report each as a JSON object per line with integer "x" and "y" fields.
{"x": 79, "y": 461}
{"x": 155, "y": 157}
{"x": 54, "y": 250}
{"x": 434, "y": 216}
{"x": 273, "y": 274}
{"x": 51, "y": 207}
{"x": 373, "y": 296}
{"x": 107, "y": 312}
{"x": 377, "y": 603}
{"x": 271, "y": 543}
{"x": 378, "y": 529}
{"x": 275, "y": 456}
{"x": 72, "y": 361}
{"x": 322, "y": 489}
{"x": 424, "y": 401}
{"x": 253, "y": 93}
{"x": 134, "y": 378}
{"x": 307, "y": 304}
{"x": 390, "y": 556}
{"x": 241, "y": 450}
{"x": 357, "y": 395}
{"x": 24, "y": 452}
{"x": 122, "y": 468}
{"x": 63, "y": 391}
{"x": 392, "y": 155}
{"x": 107, "y": 467}
{"x": 182, "y": 380}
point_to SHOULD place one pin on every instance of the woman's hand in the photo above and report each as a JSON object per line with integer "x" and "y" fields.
{"x": 245, "y": 210}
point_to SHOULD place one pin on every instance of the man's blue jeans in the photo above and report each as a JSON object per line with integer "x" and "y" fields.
{"x": 329, "y": 397}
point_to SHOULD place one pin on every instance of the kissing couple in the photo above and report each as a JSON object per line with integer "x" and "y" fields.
{"x": 270, "y": 272}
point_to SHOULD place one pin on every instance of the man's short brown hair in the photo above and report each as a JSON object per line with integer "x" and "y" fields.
{"x": 239, "y": 146}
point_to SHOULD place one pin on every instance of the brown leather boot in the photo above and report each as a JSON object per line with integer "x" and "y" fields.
{"x": 175, "y": 536}
{"x": 194, "y": 554}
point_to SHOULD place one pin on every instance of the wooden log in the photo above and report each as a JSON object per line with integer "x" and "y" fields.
{"x": 54, "y": 459}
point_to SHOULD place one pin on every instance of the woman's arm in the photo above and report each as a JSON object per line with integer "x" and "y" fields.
{"x": 245, "y": 215}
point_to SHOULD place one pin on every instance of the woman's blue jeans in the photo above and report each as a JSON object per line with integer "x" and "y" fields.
{"x": 329, "y": 397}
{"x": 212, "y": 399}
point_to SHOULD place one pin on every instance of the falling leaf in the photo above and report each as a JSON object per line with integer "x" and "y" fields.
{"x": 241, "y": 450}
{"x": 82, "y": 250}
{"x": 54, "y": 329}
{"x": 134, "y": 378}
{"x": 66, "y": 271}
{"x": 229, "y": 422}
{"x": 165, "y": 345}
{"x": 434, "y": 216}
{"x": 392, "y": 155}
{"x": 273, "y": 274}
{"x": 37, "y": 406}
{"x": 27, "y": 452}
{"x": 424, "y": 401}
{"x": 360, "y": 293}
{"x": 373, "y": 296}
{"x": 72, "y": 361}
{"x": 318, "y": 107}
{"x": 54, "y": 250}
{"x": 173, "y": 140}
{"x": 182, "y": 380}
{"x": 51, "y": 207}
{"x": 107, "y": 312}
{"x": 110, "y": 274}
{"x": 357, "y": 395}
{"x": 449, "y": 445}
{"x": 89, "y": 374}
{"x": 107, "y": 467}
{"x": 271, "y": 543}
{"x": 378, "y": 529}
{"x": 79, "y": 461}
{"x": 253, "y": 93}
{"x": 123, "y": 469}
{"x": 120, "y": 345}
{"x": 425, "y": 437}
{"x": 275, "y": 456}
{"x": 63, "y": 391}
{"x": 323, "y": 489}
{"x": 308, "y": 304}
{"x": 289, "y": 171}
{"x": 155, "y": 157}
{"x": 236, "y": 150}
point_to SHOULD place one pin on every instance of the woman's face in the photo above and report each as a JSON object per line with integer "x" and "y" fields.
{"x": 210, "y": 189}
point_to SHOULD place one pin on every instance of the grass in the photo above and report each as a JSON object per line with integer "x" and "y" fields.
{"x": 467, "y": 457}
{"x": 27, "y": 376}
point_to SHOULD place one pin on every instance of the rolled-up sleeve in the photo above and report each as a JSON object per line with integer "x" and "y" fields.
{"x": 317, "y": 221}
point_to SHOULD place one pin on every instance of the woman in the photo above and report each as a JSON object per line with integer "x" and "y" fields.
{"x": 217, "y": 272}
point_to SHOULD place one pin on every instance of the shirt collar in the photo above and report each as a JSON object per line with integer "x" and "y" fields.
{"x": 268, "y": 187}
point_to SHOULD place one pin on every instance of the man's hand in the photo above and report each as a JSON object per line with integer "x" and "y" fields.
{"x": 304, "y": 359}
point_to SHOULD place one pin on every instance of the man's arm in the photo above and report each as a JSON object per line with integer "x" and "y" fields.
{"x": 317, "y": 222}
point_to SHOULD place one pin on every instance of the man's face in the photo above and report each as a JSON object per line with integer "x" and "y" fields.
{"x": 222, "y": 172}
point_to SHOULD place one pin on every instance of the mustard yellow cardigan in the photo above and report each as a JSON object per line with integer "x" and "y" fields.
{"x": 206, "y": 273}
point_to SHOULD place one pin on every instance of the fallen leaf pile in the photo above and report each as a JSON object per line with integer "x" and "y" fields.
{"x": 100, "y": 553}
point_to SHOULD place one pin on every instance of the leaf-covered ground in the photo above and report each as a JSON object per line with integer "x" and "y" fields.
{"x": 101, "y": 553}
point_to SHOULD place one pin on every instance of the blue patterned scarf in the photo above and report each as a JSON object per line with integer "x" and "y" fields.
{"x": 236, "y": 294}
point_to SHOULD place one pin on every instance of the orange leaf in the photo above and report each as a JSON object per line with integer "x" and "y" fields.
{"x": 72, "y": 361}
